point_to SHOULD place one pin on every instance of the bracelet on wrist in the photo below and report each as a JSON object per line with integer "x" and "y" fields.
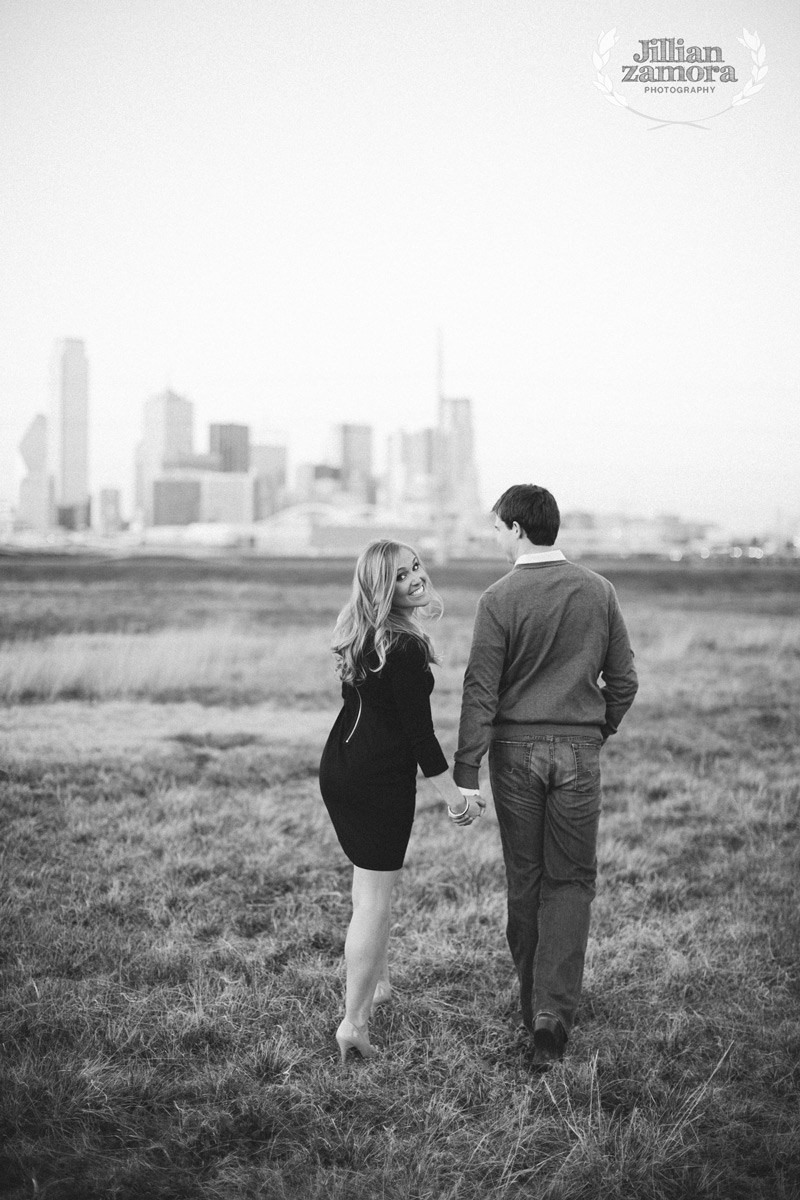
{"x": 464, "y": 810}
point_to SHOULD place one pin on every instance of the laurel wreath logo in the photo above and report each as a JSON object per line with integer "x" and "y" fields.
{"x": 605, "y": 44}
{"x": 607, "y": 41}
{"x": 758, "y": 53}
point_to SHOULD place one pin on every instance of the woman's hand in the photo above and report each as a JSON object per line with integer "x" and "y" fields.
{"x": 473, "y": 807}
{"x": 462, "y": 809}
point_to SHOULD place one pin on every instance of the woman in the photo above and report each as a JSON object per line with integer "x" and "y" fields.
{"x": 369, "y": 764}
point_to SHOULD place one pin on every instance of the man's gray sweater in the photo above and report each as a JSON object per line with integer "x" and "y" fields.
{"x": 545, "y": 635}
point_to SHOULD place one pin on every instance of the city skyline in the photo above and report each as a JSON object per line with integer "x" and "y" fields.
{"x": 240, "y": 481}
{"x": 238, "y": 493}
{"x": 332, "y": 452}
{"x": 272, "y": 209}
{"x": 235, "y": 481}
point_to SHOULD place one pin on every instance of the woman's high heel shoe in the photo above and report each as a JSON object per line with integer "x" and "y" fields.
{"x": 350, "y": 1037}
{"x": 383, "y": 994}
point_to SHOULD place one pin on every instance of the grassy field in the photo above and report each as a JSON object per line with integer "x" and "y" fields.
{"x": 174, "y": 905}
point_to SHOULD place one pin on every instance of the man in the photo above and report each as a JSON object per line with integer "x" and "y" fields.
{"x": 544, "y": 636}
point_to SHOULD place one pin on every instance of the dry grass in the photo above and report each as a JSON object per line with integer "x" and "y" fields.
{"x": 212, "y": 664}
{"x": 174, "y": 905}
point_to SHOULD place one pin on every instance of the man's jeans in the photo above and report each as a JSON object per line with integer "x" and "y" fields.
{"x": 547, "y": 797}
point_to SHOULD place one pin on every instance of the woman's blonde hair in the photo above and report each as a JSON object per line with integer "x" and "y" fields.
{"x": 368, "y": 620}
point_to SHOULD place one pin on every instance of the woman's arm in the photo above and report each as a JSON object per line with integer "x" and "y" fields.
{"x": 410, "y": 685}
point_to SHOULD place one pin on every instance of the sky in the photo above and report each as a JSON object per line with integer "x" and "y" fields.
{"x": 277, "y": 207}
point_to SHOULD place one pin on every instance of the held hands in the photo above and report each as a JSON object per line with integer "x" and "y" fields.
{"x": 473, "y": 807}
{"x": 464, "y": 805}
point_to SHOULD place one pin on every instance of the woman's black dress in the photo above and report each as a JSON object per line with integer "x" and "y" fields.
{"x": 368, "y": 771}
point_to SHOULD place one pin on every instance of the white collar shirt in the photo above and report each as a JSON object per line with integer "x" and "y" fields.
{"x": 542, "y": 556}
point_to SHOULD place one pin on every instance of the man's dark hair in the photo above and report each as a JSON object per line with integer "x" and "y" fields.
{"x": 534, "y": 510}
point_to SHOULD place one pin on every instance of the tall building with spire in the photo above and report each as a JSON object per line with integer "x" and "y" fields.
{"x": 432, "y": 475}
{"x": 68, "y": 433}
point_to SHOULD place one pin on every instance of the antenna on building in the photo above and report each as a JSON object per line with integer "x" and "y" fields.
{"x": 440, "y": 362}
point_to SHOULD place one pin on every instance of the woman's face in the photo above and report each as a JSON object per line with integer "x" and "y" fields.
{"x": 411, "y": 589}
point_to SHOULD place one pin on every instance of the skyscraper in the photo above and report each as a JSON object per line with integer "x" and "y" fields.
{"x": 35, "y": 493}
{"x": 167, "y": 441}
{"x": 268, "y": 465}
{"x": 457, "y": 472}
{"x": 168, "y": 428}
{"x": 355, "y": 461}
{"x": 108, "y": 518}
{"x": 68, "y": 433}
{"x": 411, "y": 486}
{"x": 231, "y": 444}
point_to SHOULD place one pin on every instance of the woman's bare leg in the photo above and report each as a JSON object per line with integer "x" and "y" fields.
{"x": 366, "y": 945}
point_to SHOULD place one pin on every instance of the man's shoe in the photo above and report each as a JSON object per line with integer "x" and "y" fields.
{"x": 549, "y": 1040}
